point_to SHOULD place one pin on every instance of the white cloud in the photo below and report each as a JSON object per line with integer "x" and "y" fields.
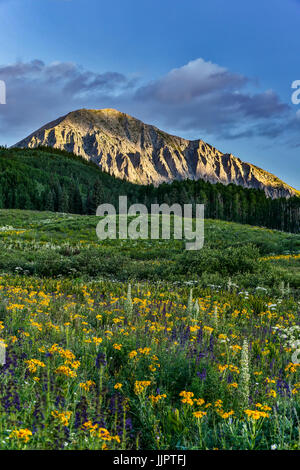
{"x": 199, "y": 97}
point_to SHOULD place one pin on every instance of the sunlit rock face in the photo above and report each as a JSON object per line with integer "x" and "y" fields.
{"x": 129, "y": 149}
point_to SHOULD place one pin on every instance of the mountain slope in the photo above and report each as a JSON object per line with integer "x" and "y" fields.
{"x": 140, "y": 153}
{"x": 55, "y": 180}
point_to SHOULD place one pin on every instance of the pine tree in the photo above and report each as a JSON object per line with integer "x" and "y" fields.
{"x": 96, "y": 197}
{"x": 2, "y": 206}
{"x": 49, "y": 201}
{"x": 77, "y": 201}
{"x": 58, "y": 198}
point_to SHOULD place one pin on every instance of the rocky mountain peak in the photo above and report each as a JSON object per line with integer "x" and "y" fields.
{"x": 141, "y": 153}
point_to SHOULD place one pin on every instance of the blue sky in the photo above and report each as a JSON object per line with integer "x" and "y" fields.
{"x": 217, "y": 70}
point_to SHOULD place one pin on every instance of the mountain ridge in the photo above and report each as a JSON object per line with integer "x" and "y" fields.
{"x": 142, "y": 153}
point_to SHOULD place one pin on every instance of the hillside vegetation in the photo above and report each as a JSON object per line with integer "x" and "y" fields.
{"x": 90, "y": 366}
{"x": 141, "y": 153}
{"x": 55, "y": 244}
{"x": 53, "y": 180}
{"x": 140, "y": 344}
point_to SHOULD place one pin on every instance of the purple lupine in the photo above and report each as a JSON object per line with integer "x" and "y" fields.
{"x": 203, "y": 374}
{"x": 101, "y": 360}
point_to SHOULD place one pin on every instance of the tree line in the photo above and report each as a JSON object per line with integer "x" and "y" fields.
{"x": 52, "y": 180}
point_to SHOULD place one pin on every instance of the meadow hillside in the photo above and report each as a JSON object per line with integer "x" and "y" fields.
{"x": 59, "y": 244}
{"x": 143, "y": 345}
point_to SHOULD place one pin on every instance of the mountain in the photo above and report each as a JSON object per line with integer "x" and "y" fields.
{"x": 140, "y": 153}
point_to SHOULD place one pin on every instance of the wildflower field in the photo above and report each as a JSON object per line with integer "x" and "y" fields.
{"x": 158, "y": 354}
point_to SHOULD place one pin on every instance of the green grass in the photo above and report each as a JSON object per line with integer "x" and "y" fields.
{"x": 50, "y": 179}
{"x": 45, "y": 243}
{"x": 64, "y": 303}
{"x": 88, "y": 338}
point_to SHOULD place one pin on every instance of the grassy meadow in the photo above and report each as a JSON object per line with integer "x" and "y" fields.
{"x": 142, "y": 345}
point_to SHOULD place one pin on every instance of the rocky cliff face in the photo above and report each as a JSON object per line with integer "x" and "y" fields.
{"x": 127, "y": 148}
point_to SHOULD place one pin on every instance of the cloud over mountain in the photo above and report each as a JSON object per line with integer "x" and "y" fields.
{"x": 36, "y": 91}
{"x": 204, "y": 96}
{"x": 199, "y": 97}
